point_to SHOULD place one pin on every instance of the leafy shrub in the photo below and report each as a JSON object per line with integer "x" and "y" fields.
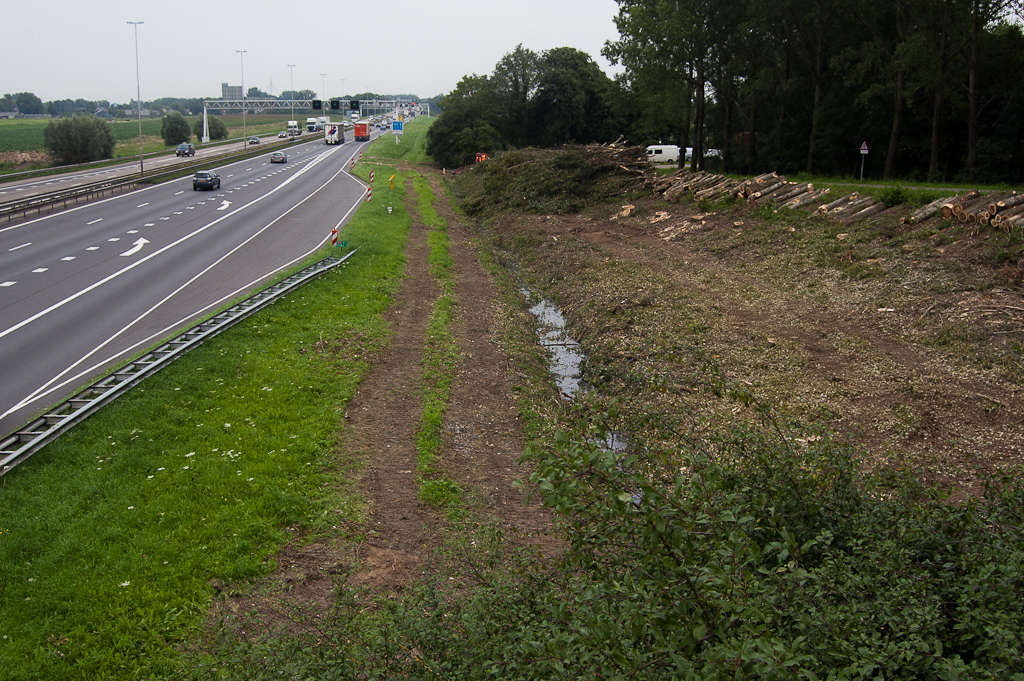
{"x": 217, "y": 129}
{"x": 174, "y": 129}
{"x": 79, "y": 139}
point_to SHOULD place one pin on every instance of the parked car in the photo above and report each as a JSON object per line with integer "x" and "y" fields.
{"x": 283, "y": 133}
{"x": 205, "y": 179}
{"x": 185, "y": 149}
{"x": 278, "y": 157}
{"x": 254, "y": 140}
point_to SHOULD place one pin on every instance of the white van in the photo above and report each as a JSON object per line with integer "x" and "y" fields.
{"x": 663, "y": 153}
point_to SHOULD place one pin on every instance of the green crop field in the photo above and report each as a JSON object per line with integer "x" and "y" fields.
{"x": 27, "y": 134}
{"x": 21, "y": 135}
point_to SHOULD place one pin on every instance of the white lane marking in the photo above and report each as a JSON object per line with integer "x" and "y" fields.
{"x": 142, "y": 205}
{"x": 11, "y": 250}
{"x": 225, "y": 205}
{"x": 231, "y": 175}
{"x": 93, "y": 248}
{"x": 115, "y": 238}
{"x": 149, "y": 224}
{"x": 165, "y": 218}
{"x": 67, "y": 258}
{"x": 94, "y": 221}
{"x": 40, "y": 270}
{"x": 52, "y": 385}
{"x": 8, "y": 283}
{"x": 139, "y": 243}
{"x": 177, "y": 212}
{"x": 179, "y": 193}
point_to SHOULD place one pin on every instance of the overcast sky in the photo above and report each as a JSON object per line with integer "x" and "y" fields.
{"x": 71, "y": 49}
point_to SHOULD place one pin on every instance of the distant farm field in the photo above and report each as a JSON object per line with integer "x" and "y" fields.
{"x": 27, "y": 134}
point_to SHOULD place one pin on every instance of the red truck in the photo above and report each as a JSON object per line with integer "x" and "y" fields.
{"x": 362, "y": 131}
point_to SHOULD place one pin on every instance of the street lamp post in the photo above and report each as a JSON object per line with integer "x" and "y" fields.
{"x": 241, "y": 59}
{"x": 138, "y": 90}
{"x": 291, "y": 68}
{"x": 323, "y": 86}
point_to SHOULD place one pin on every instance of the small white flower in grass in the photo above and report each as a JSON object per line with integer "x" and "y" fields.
{"x": 190, "y": 454}
{"x": 227, "y": 425}
{"x": 184, "y": 468}
{"x": 160, "y": 469}
{"x": 31, "y": 579}
{"x": 131, "y": 508}
{"x": 149, "y": 477}
{"x": 124, "y": 584}
{"x": 251, "y": 479}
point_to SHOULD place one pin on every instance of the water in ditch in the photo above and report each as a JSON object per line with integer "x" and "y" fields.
{"x": 565, "y": 358}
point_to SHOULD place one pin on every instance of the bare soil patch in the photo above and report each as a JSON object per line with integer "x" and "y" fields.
{"x": 920, "y": 360}
{"x": 24, "y": 159}
{"x": 481, "y": 442}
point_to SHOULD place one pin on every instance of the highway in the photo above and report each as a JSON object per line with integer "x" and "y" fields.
{"x": 84, "y": 289}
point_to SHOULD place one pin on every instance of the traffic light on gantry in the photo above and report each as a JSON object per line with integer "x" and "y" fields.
{"x": 335, "y": 105}
{"x": 317, "y": 105}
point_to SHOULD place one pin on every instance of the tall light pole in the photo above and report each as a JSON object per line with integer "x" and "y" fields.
{"x": 323, "y": 86}
{"x": 291, "y": 68}
{"x": 241, "y": 59}
{"x": 138, "y": 89}
{"x": 342, "y": 86}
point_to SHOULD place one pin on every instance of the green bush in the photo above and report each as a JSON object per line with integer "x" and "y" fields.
{"x": 78, "y": 139}
{"x": 174, "y": 129}
{"x": 218, "y": 131}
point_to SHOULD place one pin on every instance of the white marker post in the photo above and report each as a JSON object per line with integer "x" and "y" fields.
{"x": 863, "y": 153}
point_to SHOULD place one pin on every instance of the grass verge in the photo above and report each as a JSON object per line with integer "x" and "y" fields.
{"x": 112, "y": 535}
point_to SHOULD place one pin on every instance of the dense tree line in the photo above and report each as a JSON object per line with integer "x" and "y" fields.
{"x": 797, "y": 85}
{"x": 556, "y": 97}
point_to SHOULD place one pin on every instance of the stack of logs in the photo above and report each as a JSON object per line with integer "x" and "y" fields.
{"x": 768, "y": 188}
{"x": 998, "y": 210}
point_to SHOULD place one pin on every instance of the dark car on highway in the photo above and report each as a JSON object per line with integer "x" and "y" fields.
{"x": 185, "y": 150}
{"x": 278, "y": 157}
{"x": 205, "y": 179}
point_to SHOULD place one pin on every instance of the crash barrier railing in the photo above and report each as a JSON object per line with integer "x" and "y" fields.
{"x": 40, "y": 202}
{"x": 26, "y": 441}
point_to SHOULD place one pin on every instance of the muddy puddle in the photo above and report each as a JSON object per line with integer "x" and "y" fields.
{"x": 565, "y": 357}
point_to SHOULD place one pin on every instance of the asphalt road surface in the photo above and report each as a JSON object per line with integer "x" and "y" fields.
{"x": 86, "y": 288}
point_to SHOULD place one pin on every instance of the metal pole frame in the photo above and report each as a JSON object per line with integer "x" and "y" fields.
{"x": 138, "y": 91}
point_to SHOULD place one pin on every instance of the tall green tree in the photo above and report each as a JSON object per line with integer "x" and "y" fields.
{"x": 217, "y": 129}
{"x": 466, "y": 125}
{"x": 78, "y": 139}
{"x": 174, "y": 129}
{"x": 572, "y": 102}
{"x": 515, "y": 83}
{"x": 28, "y": 103}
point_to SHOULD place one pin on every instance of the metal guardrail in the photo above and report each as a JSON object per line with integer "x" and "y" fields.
{"x": 38, "y": 202}
{"x": 28, "y": 440}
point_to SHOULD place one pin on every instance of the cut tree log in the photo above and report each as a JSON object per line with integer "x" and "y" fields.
{"x": 867, "y": 212}
{"x": 928, "y": 211}
{"x": 794, "y": 191}
{"x": 808, "y": 199}
{"x": 1009, "y": 202}
{"x": 764, "y": 193}
{"x": 822, "y": 210}
{"x": 854, "y": 205}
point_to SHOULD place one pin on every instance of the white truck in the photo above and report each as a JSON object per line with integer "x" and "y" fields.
{"x": 294, "y": 129}
{"x": 334, "y": 133}
{"x": 311, "y": 124}
{"x": 322, "y": 122}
